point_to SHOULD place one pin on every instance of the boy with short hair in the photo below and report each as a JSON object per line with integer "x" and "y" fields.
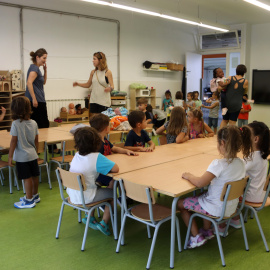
{"x": 137, "y": 137}
{"x": 142, "y": 104}
{"x": 101, "y": 123}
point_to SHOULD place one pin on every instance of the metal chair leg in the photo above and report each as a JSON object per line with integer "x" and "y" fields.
{"x": 59, "y": 221}
{"x": 148, "y": 231}
{"x": 39, "y": 174}
{"x": 10, "y": 179}
{"x": 49, "y": 176}
{"x": 219, "y": 244}
{"x": 244, "y": 231}
{"x": 121, "y": 234}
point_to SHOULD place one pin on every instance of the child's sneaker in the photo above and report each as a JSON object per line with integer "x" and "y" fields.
{"x": 196, "y": 241}
{"x": 221, "y": 231}
{"x": 35, "y": 197}
{"x": 236, "y": 223}
{"x": 224, "y": 111}
{"x": 25, "y": 203}
{"x": 207, "y": 234}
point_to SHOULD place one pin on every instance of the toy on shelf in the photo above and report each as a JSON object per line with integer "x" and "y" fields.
{"x": 63, "y": 109}
{"x": 71, "y": 109}
{"x": 78, "y": 109}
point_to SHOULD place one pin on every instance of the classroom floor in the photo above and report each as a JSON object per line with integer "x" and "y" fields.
{"x": 28, "y": 240}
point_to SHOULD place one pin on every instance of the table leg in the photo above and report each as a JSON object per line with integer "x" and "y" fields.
{"x": 115, "y": 210}
{"x": 174, "y": 205}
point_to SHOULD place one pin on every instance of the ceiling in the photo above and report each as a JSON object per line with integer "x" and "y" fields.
{"x": 226, "y": 12}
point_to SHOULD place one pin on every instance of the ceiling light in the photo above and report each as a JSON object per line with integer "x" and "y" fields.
{"x": 258, "y": 4}
{"x": 138, "y": 10}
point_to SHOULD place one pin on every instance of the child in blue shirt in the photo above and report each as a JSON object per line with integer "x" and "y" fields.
{"x": 167, "y": 101}
{"x": 89, "y": 162}
{"x": 137, "y": 137}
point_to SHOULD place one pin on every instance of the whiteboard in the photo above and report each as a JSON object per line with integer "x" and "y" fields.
{"x": 70, "y": 42}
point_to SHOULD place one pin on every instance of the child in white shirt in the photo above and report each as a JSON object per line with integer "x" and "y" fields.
{"x": 230, "y": 168}
{"x": 89, "y": 162}
{"x": 256, "y": 166}
{"x": 179, "y": 102}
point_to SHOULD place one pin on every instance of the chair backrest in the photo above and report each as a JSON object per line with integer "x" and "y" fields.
{"x": 162, "y": 140}
{"x": 138, "y": 193}
{"x": 68, "y": 145}
{"x": 237, "y": 189}
{"x": 115, "y": 137}
{"x": 70, "y": 179}
{"x": 41, "y": 147}
{"x": 119, "y": 144}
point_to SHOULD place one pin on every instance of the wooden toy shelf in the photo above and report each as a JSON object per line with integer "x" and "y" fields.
{"x": 74, "y": 117}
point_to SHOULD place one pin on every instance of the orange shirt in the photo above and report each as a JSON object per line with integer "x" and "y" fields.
{"x": 244, "y": 116}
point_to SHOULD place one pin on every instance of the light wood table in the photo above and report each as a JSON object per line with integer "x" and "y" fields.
{"x": 167, "y": 179}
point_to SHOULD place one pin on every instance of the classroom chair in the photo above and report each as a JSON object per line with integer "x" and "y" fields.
{"x": 116, "y": 137}
{"x": 231, "y": 191}
{"x": 76, "y": 181}
{"x": 63, "y": 159}
{"x": 162, "y": 140}
{"x": 256, "y": 207}
{"x": 11, "y": 169}
{"x": 147, "y": 212}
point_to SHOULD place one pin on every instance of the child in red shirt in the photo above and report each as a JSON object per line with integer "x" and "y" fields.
{"x": 243, "y": 115}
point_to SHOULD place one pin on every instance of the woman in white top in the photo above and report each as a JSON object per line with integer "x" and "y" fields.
{"x": 101, "y": 80}
{"x": 230, "y": 168}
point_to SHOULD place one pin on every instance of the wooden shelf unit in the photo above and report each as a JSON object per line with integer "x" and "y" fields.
{"x": 118, "y": 101}
{"x": 134, "y": 95}
{"x": 65, "y": 116}
{"x": 5, "y": 101}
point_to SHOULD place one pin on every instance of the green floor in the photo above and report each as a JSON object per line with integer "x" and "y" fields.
{"x": 27, "y": 240}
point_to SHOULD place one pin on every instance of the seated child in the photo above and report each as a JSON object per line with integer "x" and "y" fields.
{"x": 219, "y": 172}
{"x": 89, "y": 162}
{"x": 190, "y": 104}
{"x": 257, "y": 165}
{"x": 167, "y": 101}
{"x": 137, "y": 137}
{"x": 244, "y": 112}
{"x": 179, "y": 102}
{"x": 197, "y": 127}
{"x": 158, "y": 116}
{"x": 78, "y": 109}
{"x": 142, "y": 104}
{"x": 198, "y": 102}
{"x": 214, "y": 109}
{"x": 101, "y": 123}
{"x": 176, "y": 128}
{"x": 3, "y": 113}
{"x": 23, "y": 150}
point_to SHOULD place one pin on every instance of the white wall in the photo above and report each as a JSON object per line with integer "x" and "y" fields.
{"x": 141, "y": 38}
{"x": 259, "y": 59}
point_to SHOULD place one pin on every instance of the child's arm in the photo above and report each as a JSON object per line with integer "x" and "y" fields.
{"x": 193, "y": 105}
{"x": 162, "y": 106}
{"x": 245, "y": 87}
{"x": 209, "y": 100}
{"x": 212, "y": 106}
{"x": 148, "y": 121}
{"x": 13, "y": 144}
{"x": 151, "y": 146}
{"x": 171, "y": 102}
{"x": 114, "y": 169}
{"x": 199, "y": 182}
{"x": 160, "y": 130}
{"x": 3, "y": 113}
{"x": 182, "y": 137}
{"x": 120, "y": 150}
{"x": 209, "y": 130}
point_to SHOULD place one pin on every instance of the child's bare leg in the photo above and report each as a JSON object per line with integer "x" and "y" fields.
{"x": 206, "y": 224}
{"x": 185, "y": 214}
{"x": 111, "y": 184}
{"x": 215, "y": 130}
{"x": 28, "y": 184}
{"x": 106, "y": 215}
{"x": 35, "y": 185}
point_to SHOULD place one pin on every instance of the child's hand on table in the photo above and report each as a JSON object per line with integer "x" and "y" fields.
{"x": 146, "y": 149}
{"x": 131, "y": 153}
{"x": 186, "y": 175}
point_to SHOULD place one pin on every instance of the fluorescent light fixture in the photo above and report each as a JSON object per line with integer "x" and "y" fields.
{"x": 258, "y": 4}
{"x": 138, "y": 10}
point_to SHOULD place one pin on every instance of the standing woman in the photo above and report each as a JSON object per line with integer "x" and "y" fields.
{"x": 237, "y": 87}
{"x": 35, "y": 88}
{"x": 101, "y": 81}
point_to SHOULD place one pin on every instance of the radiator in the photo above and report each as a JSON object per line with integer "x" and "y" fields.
{"x": 54, "y": 106}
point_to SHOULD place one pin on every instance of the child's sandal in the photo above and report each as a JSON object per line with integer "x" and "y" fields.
{"x": 104, "y": 228}
{"x": 92, "y": 223}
